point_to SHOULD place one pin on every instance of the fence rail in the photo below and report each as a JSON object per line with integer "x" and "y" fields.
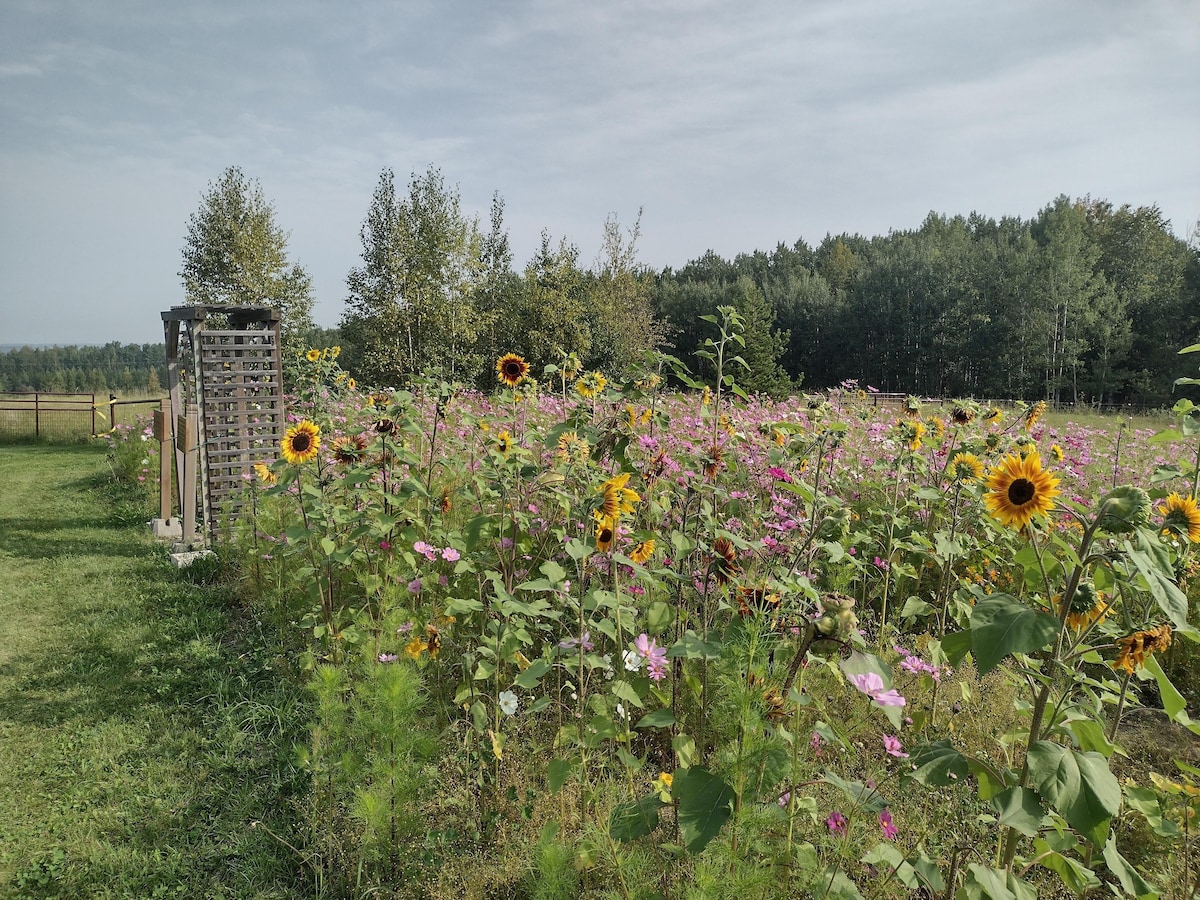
{"x": 45, "y": 415}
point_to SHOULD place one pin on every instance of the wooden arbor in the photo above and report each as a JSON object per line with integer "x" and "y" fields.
{"x": 226, "y": 386}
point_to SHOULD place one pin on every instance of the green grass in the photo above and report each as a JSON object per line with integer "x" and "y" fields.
{"x": 145, "y": 742}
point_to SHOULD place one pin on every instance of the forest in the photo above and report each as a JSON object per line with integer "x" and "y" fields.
{"x": 1085, "y": 303}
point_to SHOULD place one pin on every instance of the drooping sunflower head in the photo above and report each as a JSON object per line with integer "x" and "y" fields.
{"x": 642, "y": 552}
{"x": 1088, "y": 606}
{"x": 936, "y": 427}
{"x": 1019, "y": 489}
{"x": 966, "y": 467}
{"x": 385, "y": 426}
{"x": 714, "y": 461}
{"x": 962, "y": 414}
{"x": 1181, "y": 517}
{"x": 591, "y": 385}
{"x": 1033, "y": 414}
{"x": 724, "y": 560}
{"x": 301, "y": 442}
{"x": 606, "y": 532}
{"x": 264, "y": 474}
{"x": 994, "y": 415}
{"x": 757, "y": 599}
{"x": 992, "y": 442}
{"x": 503, "y": 442}
{"x": 616, "y": 499}
{"x": 1133, "y": 649}
{"x": 910, "y": 432}
{"x": 510, "y": 369}
{"x": 349, "y": 449}
{"x": 911, "y": 407}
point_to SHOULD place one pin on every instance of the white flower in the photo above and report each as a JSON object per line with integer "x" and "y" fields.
{"x": 621, "y": 711}
{"x": 633, "y": 661}
{"x": 508, "y": 703}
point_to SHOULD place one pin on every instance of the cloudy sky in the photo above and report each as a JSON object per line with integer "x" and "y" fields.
{"x": 734, "y": 126}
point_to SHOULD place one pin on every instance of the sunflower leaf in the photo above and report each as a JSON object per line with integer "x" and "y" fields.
{"x": 1001, "y": 625}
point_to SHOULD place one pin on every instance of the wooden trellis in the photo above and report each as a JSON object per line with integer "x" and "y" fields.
{"x": 227, "y": 413}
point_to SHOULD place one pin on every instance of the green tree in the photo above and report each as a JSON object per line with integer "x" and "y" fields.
{"x": 235, "y": 255}
{"x": 624, "y": 327}
{"x": 410, "y": 304}
{"x": 763, "y": 348}
{"x": 552, "y": 307}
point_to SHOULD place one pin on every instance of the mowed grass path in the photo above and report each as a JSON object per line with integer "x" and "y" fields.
{"x": 146, "y": 746}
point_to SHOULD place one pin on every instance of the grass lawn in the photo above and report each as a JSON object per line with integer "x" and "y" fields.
{"x": 146, "y": 746}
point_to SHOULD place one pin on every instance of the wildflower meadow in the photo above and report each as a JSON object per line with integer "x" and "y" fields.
{"x": 589, "y": 636}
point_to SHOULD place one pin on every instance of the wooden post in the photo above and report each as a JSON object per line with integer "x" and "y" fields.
{"x": 162, "y": 433}
{"x": 185, "y": 439}
{"x": 37, "y": 415}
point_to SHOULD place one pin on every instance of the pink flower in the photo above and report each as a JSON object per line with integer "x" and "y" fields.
{"x": 889, "y": 827}
{"x": 414, "y": 586}
{"x": 893, "y": 746}
{"x": 388, "y": 657}
{"x": 429, "y": 552}
{"x": 656, "y": 657}
{"x": 449, "y": 554}
{"x": 872, "y": 685}
{"x": 836, "y": 823}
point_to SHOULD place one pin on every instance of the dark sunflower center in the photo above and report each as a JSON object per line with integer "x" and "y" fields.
{"x": 302, "y": 442}
{"x": 1021, "y": 491}
{"x": 512, "y": 369}
{"x": 606, "y": 535}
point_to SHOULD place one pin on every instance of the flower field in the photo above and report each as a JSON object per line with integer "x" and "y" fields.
{"x": 590, "y": 639}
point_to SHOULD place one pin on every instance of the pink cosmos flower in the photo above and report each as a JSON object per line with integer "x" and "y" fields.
{"x": 388, "y": 657}
{"x": 426, "y": 550}
{"x": 656, "y": 657}
{"x": 890, "y": 831}
{"x": 872, "y": 685}
{"x": 449, "y": 554}
{"x": 893, "y": 746}
{"x": 836, "y": 823}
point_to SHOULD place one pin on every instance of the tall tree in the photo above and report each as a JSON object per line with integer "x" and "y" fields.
{"x": 624, "y": 326}
{"x": 235, "y": 255}
{"x": 764, "y": 347}
{"x": 410, "y": 303}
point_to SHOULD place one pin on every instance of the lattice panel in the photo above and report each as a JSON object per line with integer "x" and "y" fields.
{"x": 242, "y": 414}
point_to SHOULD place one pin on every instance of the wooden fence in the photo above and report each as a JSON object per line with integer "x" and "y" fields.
{"x": 48, "y": 416}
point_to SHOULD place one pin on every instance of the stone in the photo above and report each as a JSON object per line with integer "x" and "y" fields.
{"x": 185, "y": 558}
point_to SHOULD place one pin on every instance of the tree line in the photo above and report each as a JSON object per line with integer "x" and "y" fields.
{"x": 122, "y": 368}
{"x": 1083, "y": 303}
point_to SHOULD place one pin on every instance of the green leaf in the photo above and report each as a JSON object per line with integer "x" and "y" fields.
{"x": 839, "y": 886}
{"x": 704, "y": 806}
{"x": 624, "y": 690}
{"x": 1078, "y": 785}
{"x": 857, "y": 793}
{"x": 1019, "y": 808}
{"x": 692, "y": 646}
{"x": 530, "y": 678}
{"x": 956, "y": 645}
{"x": 1173, "y": 703}
{"x": 1001, "y": 625}
{"x": 1153, "y": 563}
{"x": 557, "y": 774}
{"x": 1090, "y": 735}
{"x": 938, "y": 764}
{"x": 1131, "y": 882}
{"x": 1075, "y": 875}
{"x": 634, "y": 819}
{"x": 660, "y": 718}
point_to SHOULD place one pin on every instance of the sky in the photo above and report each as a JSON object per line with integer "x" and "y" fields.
{"x": 732, "y": 127}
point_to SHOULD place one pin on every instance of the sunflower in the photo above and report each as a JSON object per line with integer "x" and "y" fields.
{"x": 966, "y": 467}
{"x": 605, "y": 532}
{"x": 1019, "y": 489}
{"x": 415, "y": 647}
{"x": 503, "y": 442}
{"x": 911, "y": 408}
{"x": 1134, "y": 648}
{"x": 1035, "y": 412}
{"x": 992, "y": 442}
{"x": 725, "y": 564}
{"x": 714, "y": 461}
{"x": 348, "y": 449}
{"x": 1088, "y": 607}
{"x": 446, "y": 504}
{"x": 962, "y": 415}
{"x": 617, "y": 500}
{"x": 571, "y": 448}
{"x": 264, "y": 473}
{"x": 994, "y": 415}
{"x": 936, "y": 427}
{"x": 591, "y": 385}
{"x": 642, "y": 552}
{"x": 758, "y": 599}
{"x": 510, "y": 369}
{"x": 434, "y": 641}
{"x": 313, "y": 355}
{"x": 385, "y": 426}
{"x": 1056, "y": 452}
{"x": 1181, "y": 517}
{"x": 302, "y": 442}
{"x": 910, "y": 432}
{"x": 351, "y": 383}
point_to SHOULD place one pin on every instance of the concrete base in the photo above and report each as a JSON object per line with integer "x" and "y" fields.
{"x": 166, "y": 529}
{"x": 184, "y": 559}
